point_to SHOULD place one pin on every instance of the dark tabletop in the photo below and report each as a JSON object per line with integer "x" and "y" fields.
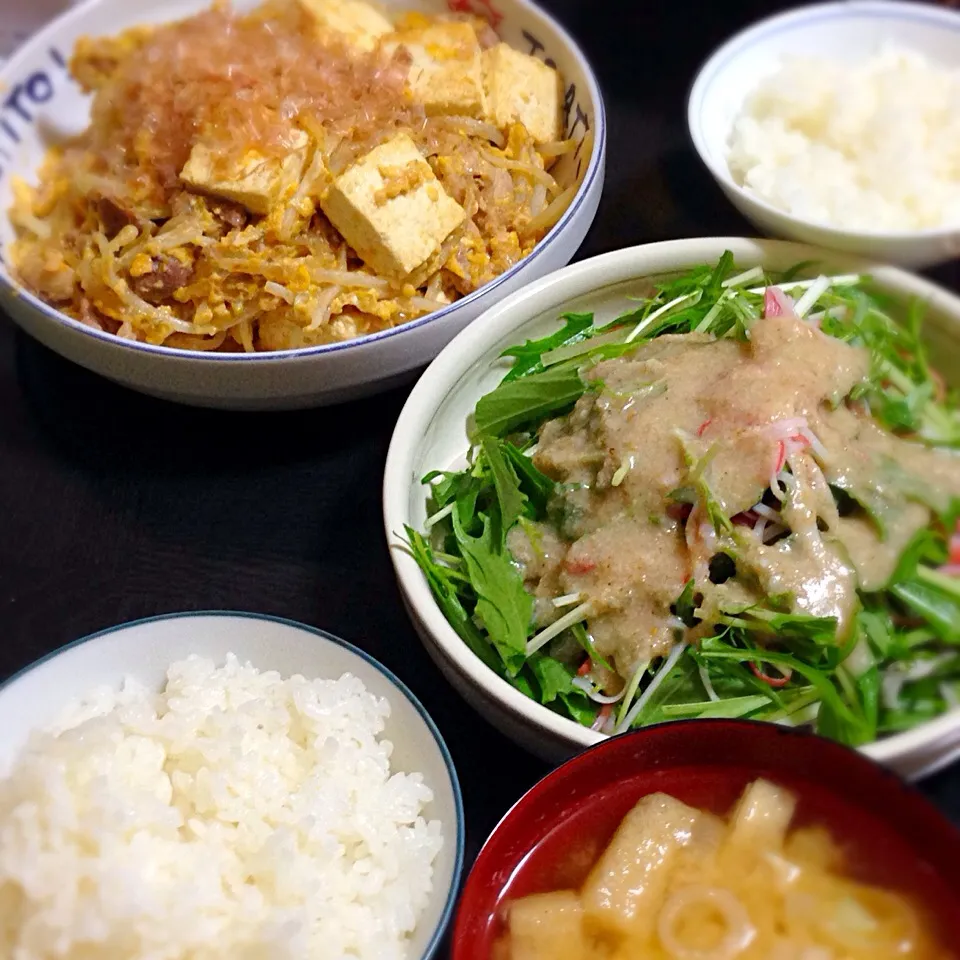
{"x": 114, "y": 506}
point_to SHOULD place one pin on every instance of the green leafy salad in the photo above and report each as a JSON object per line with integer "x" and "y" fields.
{"x": 737, "y": 499}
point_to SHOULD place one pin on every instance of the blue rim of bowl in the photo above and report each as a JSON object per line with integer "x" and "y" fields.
{"x": 786, "y": 21}
{"x": 595, "y": 169}
{"x": 448, "y": 907}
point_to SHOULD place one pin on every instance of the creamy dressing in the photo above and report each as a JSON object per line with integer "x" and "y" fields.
{"x": 811, "y": 566}
{"x": 686, "y": 414}
{"x": 899, "y": 481}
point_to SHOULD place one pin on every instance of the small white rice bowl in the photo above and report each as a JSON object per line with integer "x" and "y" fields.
{"x": 232, "y": 814}
{"x": 865, "y": 145}
{"x": 909, "y": 138}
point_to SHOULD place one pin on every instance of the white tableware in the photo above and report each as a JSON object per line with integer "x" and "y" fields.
{"x": 848, "y": 30}
{"x": 432, "y": 434}
{"x": 41, "y": 101}
{"x": 145, "y": 649}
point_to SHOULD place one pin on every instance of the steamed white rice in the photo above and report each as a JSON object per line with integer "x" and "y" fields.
{"x": 235, "y": 815}
{"x": 873, "y": 145}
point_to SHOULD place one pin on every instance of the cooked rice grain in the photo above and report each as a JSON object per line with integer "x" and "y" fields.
{"x": 235, "y": 815}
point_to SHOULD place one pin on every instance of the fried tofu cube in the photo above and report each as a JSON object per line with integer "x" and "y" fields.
{"x": 522, "y": 89}
{"x": 446, "y": 70}
{"x": 626, "y": 887}
{"x": 547, "y": 926}
{"x": 390, "y": 207}
{"x": 254, "y": 181}
{"x": 360, "y": 24}
{"x": 762, "y": 817}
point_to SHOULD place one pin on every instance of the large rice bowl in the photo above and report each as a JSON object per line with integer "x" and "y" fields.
{"x": 233, "y": 814}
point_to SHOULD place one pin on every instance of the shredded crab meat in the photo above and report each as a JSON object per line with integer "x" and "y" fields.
{"x": 952, "y": 567}
{"x": 790, "y": 437}
{"x": 776, "y": 303}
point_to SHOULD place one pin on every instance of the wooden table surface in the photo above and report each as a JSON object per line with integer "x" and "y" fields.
{"x": 114, "y": 506}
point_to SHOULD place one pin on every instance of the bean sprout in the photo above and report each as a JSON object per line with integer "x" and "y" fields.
{"x": 582, "y": 683}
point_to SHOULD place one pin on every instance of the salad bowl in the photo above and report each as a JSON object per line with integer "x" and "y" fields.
{"x": 433, "y": 433}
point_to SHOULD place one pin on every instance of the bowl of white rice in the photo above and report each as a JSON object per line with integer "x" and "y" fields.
{"x": 838, "y": 124}
{"x": 211, "y": 785}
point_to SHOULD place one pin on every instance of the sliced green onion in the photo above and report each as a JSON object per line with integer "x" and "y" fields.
{"x": 621, "y": 472}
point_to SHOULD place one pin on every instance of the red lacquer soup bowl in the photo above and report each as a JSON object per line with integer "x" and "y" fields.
{"x": 553, "y": 835}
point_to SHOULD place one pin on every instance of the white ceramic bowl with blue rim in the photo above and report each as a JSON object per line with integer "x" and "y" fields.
{"x": 144, "y": 649}
{"x": 41, "y": 101}
{"x": 847, "y": 31}
{"x": 431, "y": 434}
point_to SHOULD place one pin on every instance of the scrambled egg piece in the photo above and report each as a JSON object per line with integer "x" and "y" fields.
{"x": 95, "y": 59}
{"x": 522, "y": 89}
{"x": 358, "y": 23}
{"x": 390, "y": 207}
{"x": 256, "y": 182}
{"x": 445, "y": 74}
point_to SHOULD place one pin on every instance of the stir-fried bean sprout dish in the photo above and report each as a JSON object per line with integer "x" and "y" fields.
{"x": 739, "y": 499}
{"x": 302, "y": 174}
